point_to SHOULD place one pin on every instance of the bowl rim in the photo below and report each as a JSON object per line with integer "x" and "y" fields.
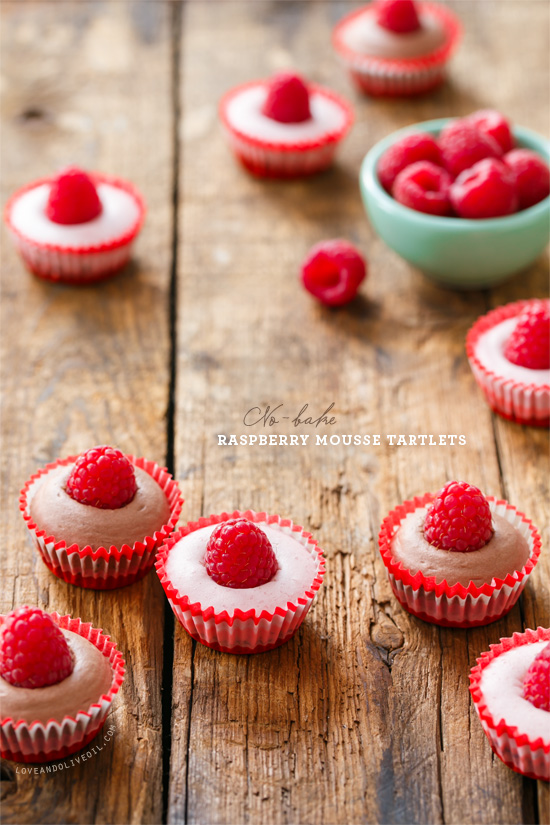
{"x": 368, "y": 180}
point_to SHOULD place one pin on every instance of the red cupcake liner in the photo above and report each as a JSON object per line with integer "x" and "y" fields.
{"x": 272, "y": 159}
{"x": 456, "y": 605}
{"x": 379, "y": 76}
{"x": 78, "y": 265}
{"x": 514, "y": 400}
{"x": 241, "y": 632}
{"x": 104, "y": 568}
{"x": 38, "y": 742}
{"x": 515, "y": 749}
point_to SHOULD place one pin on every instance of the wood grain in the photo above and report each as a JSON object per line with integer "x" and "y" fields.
{"x": 89, "y": 365}
{"x": 361, "y": 717}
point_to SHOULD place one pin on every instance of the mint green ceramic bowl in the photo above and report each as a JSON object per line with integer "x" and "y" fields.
{"x": 456, "y": 252}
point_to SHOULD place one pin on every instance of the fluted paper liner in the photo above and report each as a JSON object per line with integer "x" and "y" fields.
{"x": 38, "y": 742}
{"x": 403, "y": 76}
{"x": 274, "y": 159}
{"x": 456, "y": 605}
{"x": 241, "y": 632}
{"x": 523, "y": 402}
{"x": 104, "y": 568}
{"x": 78, "y": 265}
{"x": 530, "y": 757}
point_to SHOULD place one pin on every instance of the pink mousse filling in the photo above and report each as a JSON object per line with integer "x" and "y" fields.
{"x": 91, "y": 678}
{"x": 52, "y": 509}
{"x": 502, "y": 689}
{"x": 297, "y": 567}
{"x": 365, "y": 36}
{"x": 505, "y": 553}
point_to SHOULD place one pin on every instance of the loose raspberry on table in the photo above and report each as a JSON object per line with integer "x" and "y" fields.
{"x": 102, "y": 477}
{"x": 536, "y": 683}
{"x": 494, "y": 124}
{"x": 462, "y": 144}
{"x": 487, "y": 190}
{"x": 398, "y": 16}
{"x": 423, "y": 186}
{"x": 529, "y": 344}
{"x": 240, "y": 555}
{"x": 73, "y": 198}
{"x": 459, "y": 518}
{"x": 333, "y": 271}
{"x": 403, "y": 153}
{"x": 33, "y": 651}
{"x": 532, "y": 176}
{"x": 287, "y": 99}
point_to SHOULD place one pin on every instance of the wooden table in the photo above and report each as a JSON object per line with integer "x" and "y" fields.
{"x": 365, "y": 715}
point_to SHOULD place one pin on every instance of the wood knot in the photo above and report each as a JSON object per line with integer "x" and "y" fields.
{"x": 385, "y": 634}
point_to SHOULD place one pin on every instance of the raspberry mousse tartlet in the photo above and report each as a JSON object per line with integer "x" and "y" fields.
{"x": 284, "y": 127}
{"x": 397, "y": 47}
{"x": 241, "y": 582}
{"x": 76, "y": 227}
{"x": 510, "y": 687}
{"x": 98, "y": 519}
{"x": 509, "y": 353}
{"x": 458, "y": 558}
{"x": 58, "y": 678}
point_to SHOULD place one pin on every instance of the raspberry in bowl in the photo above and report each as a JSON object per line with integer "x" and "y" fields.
{"x": 97, "y": 519}
{"x": 75, "y": 227}
{"x": 510, "y": 688}
{"x": 397, "y": 47}
{"x": 509, "y": 353}
{"x": 241, "y": 582}
{"x": 458, "y": 558}
{"x": 284, "y": 127}
{"x": 58, "y": 679}
{"x": 489, "y": 245}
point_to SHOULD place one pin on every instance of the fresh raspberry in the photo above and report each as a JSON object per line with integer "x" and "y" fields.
{"x": 462, "y": 144}
{"x": 102, "y": 477}
{"x": 287, "y": 99}
{"x": 73, "y": 198}
{"x": 458, "y": 518}
{"x": 333, "y": 271}
{"x": 425, "y": 187}
{"x": 532, "y": 176}
{"x": 492, "y": 123}
{"x": 240, "y": 555}
{"x": 487, "y": 190}
{"x": 401, "y": 154}
{"x": 33, "y": 651}
{"x": 529, "y": 344}
{"x": 536, "y": 683}
{"x": 397, "y": 15}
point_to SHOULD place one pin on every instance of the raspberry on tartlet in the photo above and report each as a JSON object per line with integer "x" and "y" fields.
{"x": 224, "y": 613}
{"x": 58, "y": 679}
{"x": 75, "y": 227}
{"x": 33, "y": 651}
{"x": 502, "y": 690}
{"x": 97, "y": 519}
{"x": 284, "y": 127}
{"x": 427, "y": 545}
{"x": 507, "y": 352}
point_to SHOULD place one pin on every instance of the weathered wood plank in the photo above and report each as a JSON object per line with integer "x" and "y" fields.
{"x": 90, "y": 84}
{"x": 365, "y": 716}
